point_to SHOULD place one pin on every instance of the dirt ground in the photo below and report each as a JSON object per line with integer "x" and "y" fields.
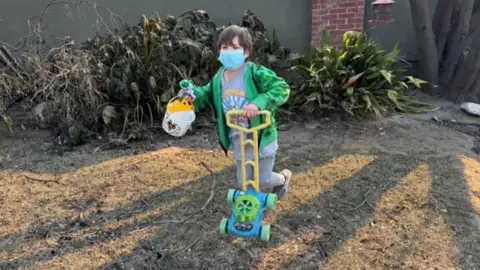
{"x": 400, "y": 193}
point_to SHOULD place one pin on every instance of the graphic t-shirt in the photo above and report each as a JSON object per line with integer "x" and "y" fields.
{"x": 233, "y": 98}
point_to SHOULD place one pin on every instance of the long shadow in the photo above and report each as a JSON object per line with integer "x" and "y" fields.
{"x": 66, "y": 227}
{"x": 45, "y": 157}
{"x": 174, "y": 245}
{"x": 453, "y": 198}
{"x": 448, "y": 197}
{"x": 215, "y": 251}
{"x": 63, "y": 229}
{"x": 337, "y": 225}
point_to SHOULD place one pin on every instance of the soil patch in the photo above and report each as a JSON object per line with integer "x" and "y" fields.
{"x": 400, "y": 193}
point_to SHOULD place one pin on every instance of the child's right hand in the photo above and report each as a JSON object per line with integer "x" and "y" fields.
{"x": 188, "y": 98}
{"x": 186, "y": 90}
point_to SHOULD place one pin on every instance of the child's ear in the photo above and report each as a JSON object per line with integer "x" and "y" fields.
{"x": 247, "y": 54}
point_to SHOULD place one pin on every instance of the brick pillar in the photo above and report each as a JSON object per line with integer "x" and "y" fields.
{"x": 337, "y": 16}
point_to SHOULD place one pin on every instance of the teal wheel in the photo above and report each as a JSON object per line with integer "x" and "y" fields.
{"x": 265, "y": 232}
{"x": 231, "y": 195}
{"x": 272, "y": 201}
{"x": 224, "y": 226}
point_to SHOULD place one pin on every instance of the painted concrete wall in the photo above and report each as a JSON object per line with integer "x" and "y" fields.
{"x": 290, "y": 18}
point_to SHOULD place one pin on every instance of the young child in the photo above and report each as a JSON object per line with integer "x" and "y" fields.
{"x": 242, "y": 85}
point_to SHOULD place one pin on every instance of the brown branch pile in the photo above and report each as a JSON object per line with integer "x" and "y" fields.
{"x": 122, "y": 79}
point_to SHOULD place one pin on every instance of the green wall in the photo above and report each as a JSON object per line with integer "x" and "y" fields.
{"x": 290, "y": 18}
{"x": 400, "y": 31}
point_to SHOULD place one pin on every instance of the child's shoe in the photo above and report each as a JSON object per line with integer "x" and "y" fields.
{"x": 282, "y": 190}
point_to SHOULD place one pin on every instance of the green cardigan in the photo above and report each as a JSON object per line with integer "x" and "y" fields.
{"x": 263, "y": 88}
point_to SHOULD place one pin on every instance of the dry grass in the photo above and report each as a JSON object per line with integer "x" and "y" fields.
{"x": 309, "y": 185}
{"x": 31, "y": 206}
{"x": 472, "y": 176}
{"x": 124, "y": 201}
{"x": 403, "y": 234}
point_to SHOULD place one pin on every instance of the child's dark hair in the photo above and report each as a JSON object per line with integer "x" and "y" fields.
{"x": 228, "y": 34}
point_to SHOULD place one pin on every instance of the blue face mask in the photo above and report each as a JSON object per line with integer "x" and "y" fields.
{"x": 231, "y": 59}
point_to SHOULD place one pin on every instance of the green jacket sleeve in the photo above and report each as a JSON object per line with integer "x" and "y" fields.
{"x": 202, "y": 96}
{"x": 274, "y": 90}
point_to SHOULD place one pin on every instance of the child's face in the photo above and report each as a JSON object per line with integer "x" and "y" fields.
{"x": 235, "y": 45}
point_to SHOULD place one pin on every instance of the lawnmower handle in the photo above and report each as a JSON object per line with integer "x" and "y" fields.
{"x": 240, "y": 113}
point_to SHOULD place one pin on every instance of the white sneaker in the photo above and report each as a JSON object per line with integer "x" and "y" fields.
{"x": 282, "y": 190}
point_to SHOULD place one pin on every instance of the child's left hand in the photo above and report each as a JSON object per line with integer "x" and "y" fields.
{"x": 251, "y": 110}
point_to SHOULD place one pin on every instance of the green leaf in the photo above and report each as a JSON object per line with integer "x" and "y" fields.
{"x": 324, "y": 41}
{"x": 366, "y": 98}
{"x": 404, "y": 85}
{"x": 387, "y": 75}
{"x": 417, "y": 82}
{"x": 392, "y": 56}
{"x": 393, "y": 95}
{"x": 350, "y": 91}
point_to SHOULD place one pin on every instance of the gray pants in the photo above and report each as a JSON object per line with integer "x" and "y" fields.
{"x": 268, "y": 178}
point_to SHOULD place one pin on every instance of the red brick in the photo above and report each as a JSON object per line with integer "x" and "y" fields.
{"x": 332, "y": 27}
{"x": 328, "y": 17}
{"x": 346, "y": 27}
{"x": 337, "y": 17}
{"x": 338, "y": 21}
{"x": 348, "y": 4}
{"x": 336, "y": 33}
{"x": 358, "y": 10}
{"x": 337, "y": 10}
{"x": 347, "y": 15}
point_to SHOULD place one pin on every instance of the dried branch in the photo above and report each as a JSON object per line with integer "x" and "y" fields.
{"x": 37, "y": 29}
{"x": 204, "y": 206}
{"x": 135, "y": 69}
{"x": 56, "y": 181}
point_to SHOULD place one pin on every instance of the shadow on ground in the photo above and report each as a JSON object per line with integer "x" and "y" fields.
{"x": 145, "y": 212}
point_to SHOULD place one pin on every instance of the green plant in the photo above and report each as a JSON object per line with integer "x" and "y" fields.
{"x": 361, "y": 79}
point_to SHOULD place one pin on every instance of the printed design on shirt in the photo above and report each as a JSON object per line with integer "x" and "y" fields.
{"x": 234, "y": 99}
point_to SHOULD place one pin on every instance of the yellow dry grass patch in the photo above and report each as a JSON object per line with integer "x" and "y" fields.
{"x": 307, "y": 185}
{"x": 27, "y": 200}
{"x": 472, "y": 176}
{"x": 404, "y": 233}
{"x": 288, "y": 251}
{"x": 98, "y": 255}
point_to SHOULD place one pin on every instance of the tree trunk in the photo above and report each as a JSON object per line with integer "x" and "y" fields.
{"x": 456, "y": 46}
{"x": 427, "y": 49}
{"x": 442, "y": 24}
{"x": 475, "y": 21}
{"x": 474, "y": 95}
{"x": 467, "y": 75}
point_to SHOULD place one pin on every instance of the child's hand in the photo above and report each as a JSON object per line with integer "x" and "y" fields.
{"x": 251, "y": 110}
{"x": 187, "y": 94}
{"x": 188, "y": 98}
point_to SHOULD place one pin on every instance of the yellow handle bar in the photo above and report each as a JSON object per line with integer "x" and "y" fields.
{"x": 255, "y": 182}
{"x": 232, "y": 113}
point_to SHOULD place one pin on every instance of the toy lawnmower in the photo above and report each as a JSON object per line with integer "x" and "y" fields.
{"x": 249, "y": 203}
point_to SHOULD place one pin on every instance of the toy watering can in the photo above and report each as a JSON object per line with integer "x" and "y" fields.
{"x": 179, "y": 114}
